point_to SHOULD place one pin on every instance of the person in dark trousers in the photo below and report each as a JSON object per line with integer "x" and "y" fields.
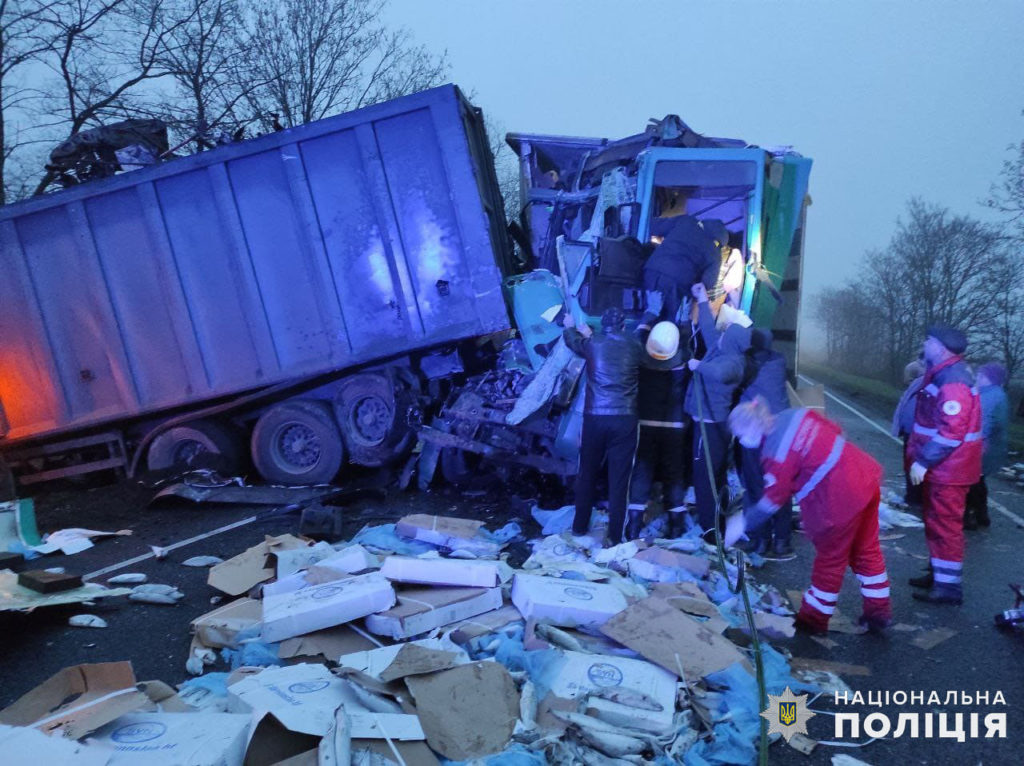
{"x": 613, "y": 358}
{"x": 709, "y": 398}
{"x": 665, "y": 442}
{"x": 764, "y": 377}
{"x": 945, "y": 450}
{"x": 903, "y": 424}
{"x": 691, "y": 252}
{"x": 995, "y": 417}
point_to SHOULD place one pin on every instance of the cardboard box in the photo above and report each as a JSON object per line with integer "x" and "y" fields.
{"x": 437, "y": 571}
{"x": 303, "y": 699}
{"x": 353, "y": 559}
{"x": 42, "y": 581}
{"x": 565, "y": 602}
{"x": 651, "y": 689}
{"x": 20, "y": 745}
{"x": 661, "y": 565}
{"x": 469, "y": 711}
{"x": 183, "y": 739}
{"x": 323, "y": 606}
{"x": 218, "y": 628}
{"x": 239, "y": 574}
{"x": 330, "y": 643}
{"x": 485, "y": 623}
{"x": 388, "y": 663}
{"x": 421, "y": 610}
{"x": 679, "y": 643}
{"x": 78, "y": 700}
{"x": 447, "y": 532}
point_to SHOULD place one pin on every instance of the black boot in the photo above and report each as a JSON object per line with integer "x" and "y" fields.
{"x": 970, "y": 520}
{"x": 942, "y": 593}
{"x": 983, "y": 519}
{"x": 924, "y": 581}
{"x": 634, "y": 525}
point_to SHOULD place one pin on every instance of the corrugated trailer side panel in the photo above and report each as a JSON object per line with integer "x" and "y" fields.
{"x": 341, "y": 242}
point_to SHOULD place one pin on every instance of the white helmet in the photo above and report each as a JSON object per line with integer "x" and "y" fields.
{"x": 663, "y": 342}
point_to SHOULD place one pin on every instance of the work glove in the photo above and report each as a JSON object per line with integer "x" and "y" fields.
{"x": 655, "y": 301}
{"x": 735, "y": 529}
{"x": 917, "y": 472}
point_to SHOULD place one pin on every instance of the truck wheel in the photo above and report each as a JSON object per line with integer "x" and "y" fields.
{"x": 371, "y": 415}
{"x": 181, "y": 445}
{"x": 297, "y": 442}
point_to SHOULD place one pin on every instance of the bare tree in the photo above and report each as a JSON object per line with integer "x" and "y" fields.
{"x": 321, "y": 57}
{"x": 204, "y": 55}
{"x": 102, "y": 54}
{"x": 1007, "y": 195}
{"x": 21, "y": 42}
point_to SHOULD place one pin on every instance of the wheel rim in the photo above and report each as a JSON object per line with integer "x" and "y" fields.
{"x": 297, "y": 447}
{"x": 370, "y": 420}
{"x": 186, "y": 450}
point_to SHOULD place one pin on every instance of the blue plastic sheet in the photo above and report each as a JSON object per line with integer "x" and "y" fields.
{"x": 554, "y": 522}
{"x": 516, "y": 755}
{"x": 252, "y": 654}
{"x": 506, "y": 534}
{"x": 214, "y": 683}
{"x": 384, "y": 538}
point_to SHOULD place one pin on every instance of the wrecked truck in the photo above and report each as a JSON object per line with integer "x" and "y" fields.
{"x": 332, "y": 293}
{"x": 587, "y": 205}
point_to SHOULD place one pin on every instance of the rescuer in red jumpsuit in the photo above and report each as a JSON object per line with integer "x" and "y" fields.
{"x": 804, "y": 456}
{"x": 944, "y": 453}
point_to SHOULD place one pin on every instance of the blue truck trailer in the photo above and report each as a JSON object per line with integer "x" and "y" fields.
{"x": 140, "y": 300}
{"x": 321, "y": 295}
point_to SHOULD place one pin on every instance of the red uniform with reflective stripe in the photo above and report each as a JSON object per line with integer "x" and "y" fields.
{"x": 837, "y": 485}
{"x": 946, "y": 436}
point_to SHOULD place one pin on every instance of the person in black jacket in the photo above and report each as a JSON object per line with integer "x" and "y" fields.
{"x": 613, "y": 358}
{"x": 664, "y": 450}
{"x": 709, "y": 399}
{"x": 764, "y": 377}
{"x": 691, "y": 252}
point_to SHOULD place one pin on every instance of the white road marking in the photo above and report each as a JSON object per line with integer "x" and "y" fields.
{"x": 885, "y": 430}
{"x": 169, "y": 548}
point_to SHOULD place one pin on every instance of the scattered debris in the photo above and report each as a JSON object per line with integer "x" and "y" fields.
{"x": 202, "y": 561}
{"x": 75, "y": 540}
{"x": 129, "y": 578}
{"x": 16, "y": 597}
{"x": 155, "y": 593}
{"x": 45, "y": 581}
{"x": 932, "y": 638}
{"x": 86, "y": 621}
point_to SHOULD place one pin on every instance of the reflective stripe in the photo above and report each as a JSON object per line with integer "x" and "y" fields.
{"x": 973, "y": 437}
{"x": 872, "y": 579}
{"x": 810, "y": 600}
{"x": 789, "y": 435}
{"x": 823, "y": 469}
{"x": 947, "y": 578}
{"x": 769, "y": 480}
{"x": 637, "y": 506}
{"x": 932, "y": 389}
{"x": 677, "y": 509}
{"x": 919, "y": 429}
{"x": 661, "y": 424}
{"x": 875, "y": 592}
{"x": 823, "y": 594}
{"x": 946, "y": 442}
{"x": 947, "y": 564}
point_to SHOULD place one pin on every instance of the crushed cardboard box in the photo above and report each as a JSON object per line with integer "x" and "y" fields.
{"x": 447, "y": 532}
{"x": 661, "y": 565}
{"x": 238, "y": 575}
{"x": 207, "y": 739}
{"x": 219, "y": 628}
{"x": 421, "y": 610}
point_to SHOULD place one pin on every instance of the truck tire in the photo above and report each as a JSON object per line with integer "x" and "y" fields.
{"x": 371, "y": 415}
{"x": 297, "y": 442}
{"x": 182, "y": 444}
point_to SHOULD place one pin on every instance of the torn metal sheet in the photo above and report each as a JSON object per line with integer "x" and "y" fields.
{"x": 14, "y": 597}
{"x": 243, "y": 495}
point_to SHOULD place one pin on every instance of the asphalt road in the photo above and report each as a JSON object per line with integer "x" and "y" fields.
{"x": 156, "y": 638}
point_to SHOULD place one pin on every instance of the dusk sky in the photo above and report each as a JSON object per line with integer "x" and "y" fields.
{"x": 891, "y": 99}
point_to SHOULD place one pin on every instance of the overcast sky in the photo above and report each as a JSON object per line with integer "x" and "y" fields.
{"x": 891, "y": 99}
